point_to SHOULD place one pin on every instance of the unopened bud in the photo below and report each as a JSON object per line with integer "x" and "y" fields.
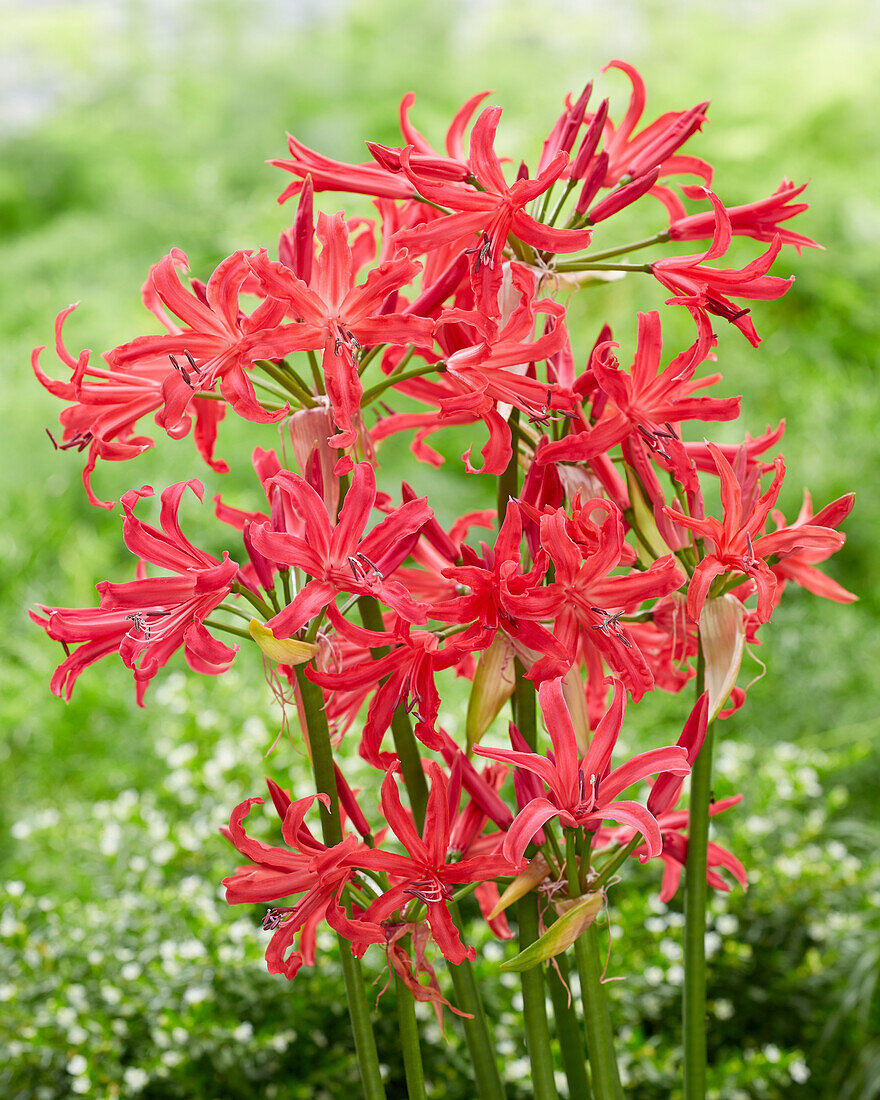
{"x": 493, "y": 685}
{"x": 723, "y": 638}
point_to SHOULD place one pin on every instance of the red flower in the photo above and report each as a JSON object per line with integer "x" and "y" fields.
{"x": 405, "y": 675}
{"x": 758, "y": 220}
{"x": 739, "y": 546}
{"x": 705, "y": 289}
{"x": 493, "y": 212}
{"x": 340, "y": 559}
{"x": 108, "y": 403}
{"x": 424, "y": 873}
{"x": 306, "y": 866}
{"x": 383, "y": 179}
{"x": 586, "y": 600}
{"x": 148, "y": 619}
{"x": 503, "y": 596}
{"x": 631, "y": 155}
{"x": 643, "y": 404}
{"x": 584, "y": 793}
{"x": 799, "y": 565}
{"x": 221, "y": 340}
{"x": 340, "y": 318}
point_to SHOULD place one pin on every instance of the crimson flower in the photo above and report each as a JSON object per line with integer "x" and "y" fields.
{"x": 586, "y": 601}
{"x": 643, "y": 404}
{"x": 148, "y": 619}
{"x": 503, "y": 596}
{"x": 758, "y": 220}
{"x": 340, "y": 559}
{"x": 707, "y": 289}
{"x": 424, "y": 873}
{"x": 630, "y": 155}
{"x": 584, "y": 793}
{"x": 108, "y": 403}
{"x": 383, "y": 179}
{"x": 221, "y": 340}
{"x": 306, "y": 866}
{"x": 799, "y": 565}
{"x": 405, "y": 674}
{"x": 739, "y": 546}
{"x": 493, "y": 212}
{"x": 339, "y": 318}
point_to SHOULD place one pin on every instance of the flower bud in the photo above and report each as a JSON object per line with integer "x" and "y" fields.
{"x": 493, "y": 685}
{"x": 723, "y": 638}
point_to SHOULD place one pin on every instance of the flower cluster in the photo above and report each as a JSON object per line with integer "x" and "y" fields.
{"x": 602, "y": 575}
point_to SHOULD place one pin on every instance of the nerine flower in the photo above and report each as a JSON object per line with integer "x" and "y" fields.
{"x": 341, "y": 558}
{"x": 305, "y": 866}
{"x": 424, "y": 873}
{"x": 583, "y": 793}
{"x": 738, "y": 545}
{"x": 146, "y": 620}
{"x": 705, "y": 289}
{"x": 491, "y": 212}
{"x": 339, "y": 318}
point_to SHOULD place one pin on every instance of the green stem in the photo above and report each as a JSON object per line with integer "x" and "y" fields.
{"x": 285, "y": 584}
{"x": 315, "y": 719}
{"x": 695, "y": 897}
{"x": 373, "y": 392}
{"x": 608, "y": 869}
{"x": 609, "y": 253}
{"x": 368, "y": 356}
{"x": 408, "y": 1027}
{"x": 361, "y": 1024}
{"x": 535, "y": 1005}
{"x": 508, "y": 480}
{"x": 568, "y": 1030}
{"x": 229, "y": 629}
{"x": 590, "y": 265}
{"x": 534, "y": 1002}
{"x": 317, "y": 376}
{"x": 597, "y": 1021}
{"x": 289, "y": 380}
{"x": 252, "y": 598}
{"x": 476, "y": 1029}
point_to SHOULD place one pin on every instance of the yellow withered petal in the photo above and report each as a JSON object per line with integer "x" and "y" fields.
{"x": 286, "y": 651}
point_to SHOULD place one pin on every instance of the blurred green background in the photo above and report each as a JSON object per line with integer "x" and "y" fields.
{"x": 129, "y": 128}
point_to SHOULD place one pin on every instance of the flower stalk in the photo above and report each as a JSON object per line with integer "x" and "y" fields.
{"x": 695, "y": 900}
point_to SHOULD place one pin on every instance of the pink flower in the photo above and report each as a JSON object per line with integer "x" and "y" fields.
{"x": 584, "y": 793}
{"x": 148, "y": 619}
{"x": 709, "y": 289}
{"x": 738, "y": 544}
{"x": 340, "y": 558}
